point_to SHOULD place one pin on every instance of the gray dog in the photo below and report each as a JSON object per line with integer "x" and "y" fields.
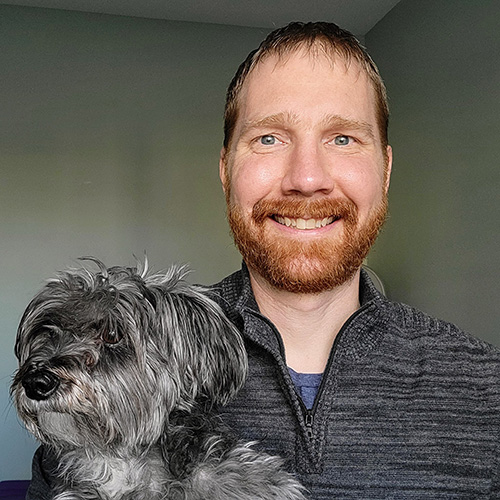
{"x": 119, "y": 370}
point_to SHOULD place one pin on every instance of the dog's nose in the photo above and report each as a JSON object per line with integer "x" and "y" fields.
{"x": 40, "y": 384}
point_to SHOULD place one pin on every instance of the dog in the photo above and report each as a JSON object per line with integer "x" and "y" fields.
{"x": 120, "y": 373}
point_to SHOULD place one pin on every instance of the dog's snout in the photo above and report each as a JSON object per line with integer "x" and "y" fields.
{"x": 40, "y": 384}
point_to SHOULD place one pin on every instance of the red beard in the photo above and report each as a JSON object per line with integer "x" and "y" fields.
{"x": 305, "y": 266}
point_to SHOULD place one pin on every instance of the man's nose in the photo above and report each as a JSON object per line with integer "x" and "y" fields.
{"x": 308, "y": 171}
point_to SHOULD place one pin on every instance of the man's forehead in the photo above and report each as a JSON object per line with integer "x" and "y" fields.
{"x": 262, "y": 75}
{"x": 283, "y": 62}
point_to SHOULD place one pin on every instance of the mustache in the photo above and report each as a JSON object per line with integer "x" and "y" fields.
{"x": 305, "y": 209}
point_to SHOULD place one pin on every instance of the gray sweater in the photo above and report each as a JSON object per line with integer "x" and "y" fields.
{"x": 408, "y": 407}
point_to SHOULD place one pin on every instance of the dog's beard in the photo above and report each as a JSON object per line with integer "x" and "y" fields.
{"x": 305, "y": 266}
{"x": 116, "y": 404}
{"x": 61, "y": 427}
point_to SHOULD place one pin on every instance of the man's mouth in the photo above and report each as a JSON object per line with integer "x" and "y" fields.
{"x": 299, "y": 223}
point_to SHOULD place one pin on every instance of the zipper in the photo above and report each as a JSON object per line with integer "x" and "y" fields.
{"x": 309, "y": 414}
{"x": 309, "y": 421}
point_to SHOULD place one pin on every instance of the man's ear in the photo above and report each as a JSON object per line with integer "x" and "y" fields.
{"x": 388, "y": 168}
{"x": 222, "y": 168}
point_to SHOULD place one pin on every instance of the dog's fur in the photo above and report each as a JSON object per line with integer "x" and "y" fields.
{"x": 119, "y": 370}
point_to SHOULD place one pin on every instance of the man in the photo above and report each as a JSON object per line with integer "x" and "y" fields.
{"x": 365, "y": 398}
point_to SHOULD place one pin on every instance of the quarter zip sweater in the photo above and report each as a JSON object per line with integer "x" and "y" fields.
{"x": 408, "y": 406}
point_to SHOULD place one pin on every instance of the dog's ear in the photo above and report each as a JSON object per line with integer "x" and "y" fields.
{"x": 217, "y": 347}
{"x": 203, "y": 350}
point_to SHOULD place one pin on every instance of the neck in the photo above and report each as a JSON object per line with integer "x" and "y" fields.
{"x": 307, "y": 323}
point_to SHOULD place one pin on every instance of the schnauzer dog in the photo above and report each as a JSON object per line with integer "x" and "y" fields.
{"x": 119, "y": 373}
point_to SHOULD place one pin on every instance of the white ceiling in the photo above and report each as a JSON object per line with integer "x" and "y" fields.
{"x": 358, "y": 16}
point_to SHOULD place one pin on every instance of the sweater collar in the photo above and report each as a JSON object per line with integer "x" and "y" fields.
{"x": 235, "y": 293}
{"x": 365, "y": 326}
{"x": 246, "y": 300}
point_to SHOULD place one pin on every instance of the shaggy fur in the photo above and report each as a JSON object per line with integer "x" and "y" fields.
{"x": 119, "y": 370}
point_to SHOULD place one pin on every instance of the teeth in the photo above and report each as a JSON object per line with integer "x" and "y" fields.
{"x": 304, "y": 223}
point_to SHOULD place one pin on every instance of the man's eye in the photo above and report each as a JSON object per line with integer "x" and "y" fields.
{"x": 268, "y": 140}
{"x": 342, "y": 140}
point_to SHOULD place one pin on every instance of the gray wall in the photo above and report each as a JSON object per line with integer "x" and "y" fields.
{"x": 440, "y": 251}
{"x": 109, "y": 135}
{"x": 110, "y": 130}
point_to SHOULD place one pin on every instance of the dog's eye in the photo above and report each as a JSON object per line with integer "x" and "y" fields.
{"x": 111, "y": 336}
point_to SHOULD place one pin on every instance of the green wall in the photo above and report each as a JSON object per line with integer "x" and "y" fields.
{"x": 110, "y": 130}
{"x": 440, "y": 60}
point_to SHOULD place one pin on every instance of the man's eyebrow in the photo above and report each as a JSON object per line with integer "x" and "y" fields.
{"x": 331, "y": 121}
{"x": 277, "y": 119}
{"x": 348, "y": 124}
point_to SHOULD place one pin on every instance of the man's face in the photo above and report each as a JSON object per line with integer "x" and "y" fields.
{"x": 306, "y": 177}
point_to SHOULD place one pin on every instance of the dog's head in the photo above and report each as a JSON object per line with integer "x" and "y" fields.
{"x": 106, "y": 354}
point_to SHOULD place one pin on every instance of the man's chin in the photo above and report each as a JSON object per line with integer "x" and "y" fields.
{"x": 297, "y": 266}
{"x": 303, "y": 276}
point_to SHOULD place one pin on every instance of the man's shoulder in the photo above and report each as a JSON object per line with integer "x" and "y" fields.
{"x": 230, "y": 283}
{"x": 229, "y": 291}
{"x": 421, "y": 328}
{"x": 43, "y": 467}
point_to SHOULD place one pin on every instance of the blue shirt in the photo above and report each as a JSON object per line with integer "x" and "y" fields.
{"x": 307, "y": 385}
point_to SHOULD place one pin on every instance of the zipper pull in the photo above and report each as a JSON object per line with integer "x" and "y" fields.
{"x": 309, "y": 420}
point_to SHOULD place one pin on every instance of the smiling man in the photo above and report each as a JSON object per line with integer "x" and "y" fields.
{"x": 365, "y": 398}
{"x": 306, "y": 174}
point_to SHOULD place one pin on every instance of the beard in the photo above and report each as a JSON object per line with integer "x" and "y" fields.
{"x": 299, "y": 266}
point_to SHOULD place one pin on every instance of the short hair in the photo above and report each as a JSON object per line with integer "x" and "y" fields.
{"x": 327, "y": 36}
